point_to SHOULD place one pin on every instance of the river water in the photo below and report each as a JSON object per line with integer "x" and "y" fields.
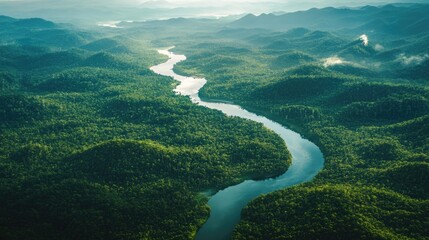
{"x": 226, "y": 205}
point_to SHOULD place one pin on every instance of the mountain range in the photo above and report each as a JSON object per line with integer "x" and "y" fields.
{"x": 389, "y": 19}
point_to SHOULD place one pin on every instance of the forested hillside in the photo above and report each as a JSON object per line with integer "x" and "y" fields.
{"x": 95, "y": 146}
{"x": 366, "y": 107}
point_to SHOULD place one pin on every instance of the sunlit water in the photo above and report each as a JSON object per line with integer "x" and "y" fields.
{"x": 226, "y": 205}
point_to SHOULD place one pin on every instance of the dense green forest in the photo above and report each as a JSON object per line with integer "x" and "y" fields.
{"x": 334, "y": 212}
{"x": 367, "y": 108}
{"x": 95, "y": 146}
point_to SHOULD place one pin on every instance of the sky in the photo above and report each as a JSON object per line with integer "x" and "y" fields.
{"x": 292, "y": 4}
{"x": 266, "y": 6}
{"x": 193, "y": 3}
{"x": 255, "y": 2}
{"x": 69, "y": 10}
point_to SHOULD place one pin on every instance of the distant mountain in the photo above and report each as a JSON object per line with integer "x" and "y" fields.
{"x": 314, "y": 42}
{"x": 179, "y": 22}
{"x": 5, "y": 19}
{"x": 390, "y": 19}
{"x": 101, "y": 44}
{"x": 106, "y": 45}
{"x": 90, "y": 13}
{"x": 30, "y": 22}
{"x": 357, "y": 49}
{"x": 242, "y": 33}
{"x": 40, "y": 32}
{"x": 34, "y": 23}
{"x": 292, "y": 58}
{"x": 104, "y": 60}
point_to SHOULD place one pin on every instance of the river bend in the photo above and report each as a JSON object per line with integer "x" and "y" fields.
{"x": 226, "y": 205}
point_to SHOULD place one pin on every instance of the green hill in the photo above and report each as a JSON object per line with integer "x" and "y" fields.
{"x": 409, "y": 179}
{"x": 299, "y": 88}
{"x": 105, "y": 60}
{"x": 54, "y": 207}
{"x": 333, "y": 211}
{"x": 17, "y": 109}
{"x": 134, "y": 162}
{"x": 39, "y": 32}
{"x": 292, "y": 59}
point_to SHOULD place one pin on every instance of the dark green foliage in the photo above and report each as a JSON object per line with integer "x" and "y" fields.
{"x": 298, "y": 87}
{"x": 96, "y": 146}
{"x": 409, "y": 179}
{"x": 298, "y": 113}
{"x": 379, "y": 149}
{"x": 8, "y": 82}
{"x": 100, "y": 45}
{"x": 368, "y": 113}
{"x": 292, "y": 59}
{"x": 333, "y": 212}
{"x": 370, "y": 92}
{"x": 61, "y": 59}
{"x": 62, "y": 38}
{"x": 32, "y": 153}
{"x": 19, "y": 108}
{"x": 55, "y": 208}
{"x": 125, "y": 162}
{"x": 251, "y": 152}
{"x": 131, "y": 162}
{"x": 139, "y": 109}
{"x": 413, "y": 132}
{"x": 106, "y": 45}
{"x": 353, "y": 70}
{"x": 81, "y": 80}
{"x": 357, "y": 50}
{"x": 394, "y": 109}
{"x": 416, "y": 72}
{"x": 104, "y": 60}
{"x": 49, "y": 60}
{"x": 308, "y": 70}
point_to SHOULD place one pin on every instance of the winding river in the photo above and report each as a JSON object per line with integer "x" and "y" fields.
{"x": 226, "y": 205}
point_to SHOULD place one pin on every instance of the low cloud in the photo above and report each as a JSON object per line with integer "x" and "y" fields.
{"x": 110, "y": 24}
{"x": 378, "y": 47}
{"x": 364, "y": 39}
{"x": 331, "y": 61}
{"x": 411, "y": 60}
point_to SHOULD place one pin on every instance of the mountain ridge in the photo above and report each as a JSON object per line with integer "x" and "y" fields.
{"x": 388, "y": 19}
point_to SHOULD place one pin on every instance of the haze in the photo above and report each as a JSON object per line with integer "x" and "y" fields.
{"x": 89, "y": 12}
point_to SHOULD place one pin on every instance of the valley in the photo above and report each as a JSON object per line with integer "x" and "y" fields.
{"x": 96, "y": 145}
{"x": 226, "y": 205}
